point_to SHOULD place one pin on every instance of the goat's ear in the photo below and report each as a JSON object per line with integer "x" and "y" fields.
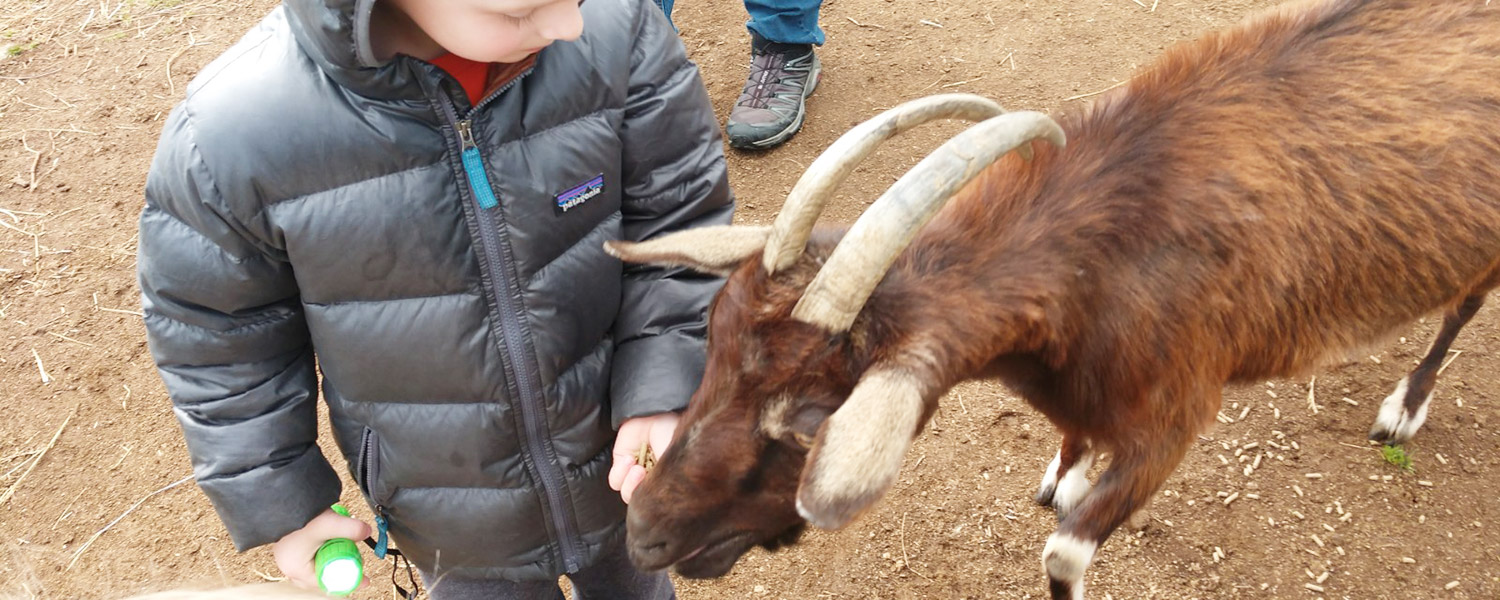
{"x": 859, "y": 450}
{"x": 717, "y": 249}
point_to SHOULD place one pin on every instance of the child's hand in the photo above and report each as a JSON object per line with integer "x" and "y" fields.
{"x": 654, "y": 431}
{"x": 294, "y": 551}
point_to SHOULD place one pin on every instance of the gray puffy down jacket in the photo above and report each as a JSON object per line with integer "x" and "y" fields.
{"x": 443, "y": 263}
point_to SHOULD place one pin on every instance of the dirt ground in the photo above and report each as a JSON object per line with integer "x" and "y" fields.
{"x": 84, "y": 87}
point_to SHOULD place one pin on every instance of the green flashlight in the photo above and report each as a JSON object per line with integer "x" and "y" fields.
{"x": 337, "y": 564}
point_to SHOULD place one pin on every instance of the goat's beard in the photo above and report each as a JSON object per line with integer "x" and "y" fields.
{"x": 790, "y": 537}
{"x": 717, "y": 559}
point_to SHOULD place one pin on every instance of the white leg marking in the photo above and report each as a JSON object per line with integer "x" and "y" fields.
{"x": 1414, "y": 422}
{"x": 1393, "y": 420}
{"x": 1049, "y": 479}
{"x": 1074, "y": 485}
{"x": 1066, "y": 558}
{"x": 1390, "y": 410}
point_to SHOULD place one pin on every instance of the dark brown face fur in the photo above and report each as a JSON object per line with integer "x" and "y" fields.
{"x": 729, "y": 480}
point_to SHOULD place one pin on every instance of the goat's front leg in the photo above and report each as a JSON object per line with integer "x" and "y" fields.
{"x": 1403, "y": 412}
{"x": 1135, "y": 472}
{"x": 1066, "y": 481}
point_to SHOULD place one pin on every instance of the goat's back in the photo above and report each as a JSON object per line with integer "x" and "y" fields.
{"x": 1264, "y": 198}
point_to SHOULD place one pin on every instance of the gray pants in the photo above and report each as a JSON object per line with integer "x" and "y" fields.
{"x": 611, "y": 578}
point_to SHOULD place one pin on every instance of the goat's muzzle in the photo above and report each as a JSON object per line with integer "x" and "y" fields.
{"x": 650, "y": 550}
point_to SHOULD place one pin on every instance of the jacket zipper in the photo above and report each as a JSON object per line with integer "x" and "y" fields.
{"x": 368, "y": 453}
{"x": 548, "y": 473}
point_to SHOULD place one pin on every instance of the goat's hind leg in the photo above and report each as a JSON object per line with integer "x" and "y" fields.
{"x": 1134, "y": 474}
{"x": 1403, "y": 412}
{"x": 1066, "y": 482}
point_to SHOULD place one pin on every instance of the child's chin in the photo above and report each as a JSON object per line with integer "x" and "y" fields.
{"x": 517, "y": 56}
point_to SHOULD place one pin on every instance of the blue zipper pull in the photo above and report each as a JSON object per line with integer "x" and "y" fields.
{"x": 474, "y": 167}
{"x": 382, "y": 540}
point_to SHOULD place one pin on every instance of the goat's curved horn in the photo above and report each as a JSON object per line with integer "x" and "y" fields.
{"x": 803, "y": 205}
{"x": 861, "y": 259}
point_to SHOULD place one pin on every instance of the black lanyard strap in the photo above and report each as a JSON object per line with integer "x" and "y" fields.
{"x": 397, "y": 560}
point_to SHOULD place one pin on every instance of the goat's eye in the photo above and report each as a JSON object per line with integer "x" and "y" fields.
{"x": 805, "y": 423}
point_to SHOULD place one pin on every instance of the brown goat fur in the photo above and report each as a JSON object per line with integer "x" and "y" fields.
{"x": 1256, "y": 204}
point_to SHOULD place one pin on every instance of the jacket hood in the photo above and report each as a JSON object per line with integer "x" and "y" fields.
{"x": 336, "y": 34}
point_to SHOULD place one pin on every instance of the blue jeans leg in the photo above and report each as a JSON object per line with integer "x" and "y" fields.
{"x": 785, "y": 21}
{"x": 612, "y": 577}
{"x": 665, "y": 6}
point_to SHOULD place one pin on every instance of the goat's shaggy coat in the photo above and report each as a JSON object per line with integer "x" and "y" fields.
{"x": 1259, "y": 203}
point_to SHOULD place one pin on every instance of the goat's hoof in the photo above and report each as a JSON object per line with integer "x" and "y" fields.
{"x": 1049, "y": 497}
{"x": 1398, "y": 430}
{"x": 1062, "y": 591}
{"x": 1045, "y": 494}
{"x": 1386, "y": 436}
{"x": 1065, "y": 559}
{"x": 1401, "y": 415}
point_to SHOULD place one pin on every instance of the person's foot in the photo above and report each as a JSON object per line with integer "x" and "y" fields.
{"x": 774, "y": 101}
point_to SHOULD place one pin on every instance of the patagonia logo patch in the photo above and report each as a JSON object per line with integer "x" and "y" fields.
{"x": 576, "y": 196}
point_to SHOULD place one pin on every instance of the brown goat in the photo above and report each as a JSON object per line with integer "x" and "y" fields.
{"x": 1256, "y": 204}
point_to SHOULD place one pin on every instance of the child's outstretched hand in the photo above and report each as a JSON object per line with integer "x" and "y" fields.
{"x": 653, "y": 432}
{"x": 294, "y": 551}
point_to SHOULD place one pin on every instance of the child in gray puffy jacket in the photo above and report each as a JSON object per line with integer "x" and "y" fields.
{"x": 410, "y": 198}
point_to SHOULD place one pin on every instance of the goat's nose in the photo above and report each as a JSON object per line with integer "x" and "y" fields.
{"x": 639, "y": 531}
{"x": 648, "y": 548}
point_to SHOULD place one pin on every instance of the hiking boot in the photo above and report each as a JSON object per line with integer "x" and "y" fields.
{"x": 774, "y": 101}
